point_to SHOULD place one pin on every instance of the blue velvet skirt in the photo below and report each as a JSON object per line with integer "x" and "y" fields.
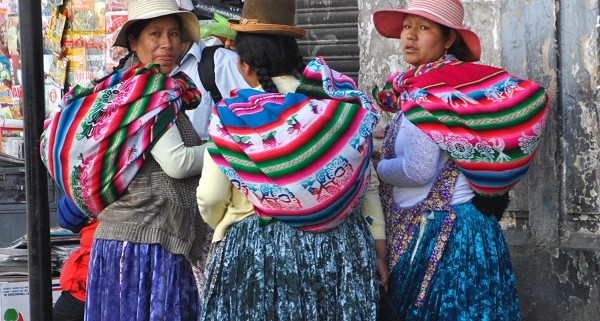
{"x": 276, "y": 272}
{"x": 139, "y": 282}
{"x": 474, "y": 279}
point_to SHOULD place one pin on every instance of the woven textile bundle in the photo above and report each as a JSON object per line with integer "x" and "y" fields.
{"x": 298, "y": 158}
{"x": 487, "y": 120}
{"x": 96, "y": 143}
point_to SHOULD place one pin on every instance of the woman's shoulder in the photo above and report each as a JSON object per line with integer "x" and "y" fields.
{"x": 474, "y": 67}
{"x": 458, "y": 73}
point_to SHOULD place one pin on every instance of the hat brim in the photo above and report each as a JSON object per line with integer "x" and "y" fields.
{"x": 190, "y": 27}
{"x": 389, "y": 23}
{"x": 234, "y": 24}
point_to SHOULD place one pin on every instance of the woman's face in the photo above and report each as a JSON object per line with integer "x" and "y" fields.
{"x": 423, "y": 41}
{"x": 159, "y": 43}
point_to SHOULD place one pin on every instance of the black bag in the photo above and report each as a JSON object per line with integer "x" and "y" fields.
{"x": 206, "y": 71}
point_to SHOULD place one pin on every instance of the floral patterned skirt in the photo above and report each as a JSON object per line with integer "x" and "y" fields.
{"x": 139, "y": 282}
{"x": 277, "y": 272}
{"x": 474, "y": 279}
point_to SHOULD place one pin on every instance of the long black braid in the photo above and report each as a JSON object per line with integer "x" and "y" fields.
{"x": 269, "y": 56}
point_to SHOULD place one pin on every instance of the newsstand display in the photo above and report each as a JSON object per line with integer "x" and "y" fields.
{"x": 78, "y": 37}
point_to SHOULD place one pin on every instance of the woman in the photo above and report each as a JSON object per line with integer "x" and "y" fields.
{"x": 132, "y": 158}
{"x": 284, "y": 185}
{"x": 463, "y": 135}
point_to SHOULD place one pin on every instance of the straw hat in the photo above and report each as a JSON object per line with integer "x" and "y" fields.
{"x": 148, "y": 9}
{"x": 268, "y": 16}
{"x": 449, "y": 13}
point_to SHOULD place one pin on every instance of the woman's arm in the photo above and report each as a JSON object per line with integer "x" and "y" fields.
{"x": 416, "y": 165}
{"x": 371, "y": 207}
{"x": 176, "y": 159}
{"x": 373, "y": 213}
{"x": 213, "y": 193}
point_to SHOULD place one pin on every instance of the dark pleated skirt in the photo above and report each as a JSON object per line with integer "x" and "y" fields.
{"x": 139, "y": 282}
{"x": 276, "y": 272}
{"x": 474, "y": 279}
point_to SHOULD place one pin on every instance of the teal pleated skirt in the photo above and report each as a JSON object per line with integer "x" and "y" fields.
{"x": 276, "y": 272}
{"x": 474, "y": 279}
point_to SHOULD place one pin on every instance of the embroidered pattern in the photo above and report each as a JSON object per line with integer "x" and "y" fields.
{"x": 96, "y": 143}
{"x": 304, "y": 159}
{"x": 401, "y": 223}
{"x": 487, "y": 120}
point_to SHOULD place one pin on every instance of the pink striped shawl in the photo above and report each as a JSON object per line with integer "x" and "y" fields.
{"x": 298, "y": 159}
{"x": 487, "y": 120}
{"x": 96, "y": 143}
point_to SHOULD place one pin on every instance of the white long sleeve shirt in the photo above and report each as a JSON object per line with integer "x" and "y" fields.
{"x": 418, "y": 162}
{"x": 177, "y": 160}
{"x": 227, "y": 78}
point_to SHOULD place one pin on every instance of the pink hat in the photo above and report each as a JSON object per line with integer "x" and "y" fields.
{"x": 449, "y": 13}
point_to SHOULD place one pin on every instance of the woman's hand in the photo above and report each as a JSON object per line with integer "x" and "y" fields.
{"x": 382, "y": 270}
{"x": 375, "y": 158}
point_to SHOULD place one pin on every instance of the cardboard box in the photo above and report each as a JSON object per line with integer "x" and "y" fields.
{"x": 14, "y": 300}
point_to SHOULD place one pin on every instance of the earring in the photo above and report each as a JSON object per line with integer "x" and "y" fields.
{"x": 445, "y": 55}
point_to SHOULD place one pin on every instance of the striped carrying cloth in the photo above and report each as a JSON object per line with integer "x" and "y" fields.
{"x": 487, "y": 120}
{"x": 96, "y": 143}
{"x": 299, "y": 159}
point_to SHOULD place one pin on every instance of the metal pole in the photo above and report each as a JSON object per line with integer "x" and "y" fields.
{"x": 36, "y": 179}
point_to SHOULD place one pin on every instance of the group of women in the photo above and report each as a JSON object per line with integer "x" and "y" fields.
{"x": 309, "y": 224}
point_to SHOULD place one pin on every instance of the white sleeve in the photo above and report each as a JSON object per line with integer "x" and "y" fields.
{"x": 227, "y": 76}
{"x": 176, "y": 159}
{"x": 416, "y": 161}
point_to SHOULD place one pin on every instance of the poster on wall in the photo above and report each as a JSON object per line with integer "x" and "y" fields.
{"x": 55, "y": 32}
{"x": 114, "y": 21}
{"x": 116, "y": 5}
{"x": 82, "y": 14}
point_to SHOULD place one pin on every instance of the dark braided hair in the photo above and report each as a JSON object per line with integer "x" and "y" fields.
{"x": 122, "y": 62}
{"x": 492, "y": 205}
{"x": 458, "y": 48}
{"x": 269, "y": 55}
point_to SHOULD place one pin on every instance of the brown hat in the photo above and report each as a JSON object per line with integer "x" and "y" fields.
{"x": 268, "y": 16}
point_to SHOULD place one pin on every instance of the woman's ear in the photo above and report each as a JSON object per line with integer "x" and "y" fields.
{"x": 132, "y": 42}
{"x": 451, "y": 38}
{"x": 248, "y": 73}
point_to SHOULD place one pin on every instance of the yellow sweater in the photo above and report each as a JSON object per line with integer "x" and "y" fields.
{"x": 221, "y": 204}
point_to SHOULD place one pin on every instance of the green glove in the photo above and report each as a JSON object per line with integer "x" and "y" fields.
{"x": 218, "y": 28}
